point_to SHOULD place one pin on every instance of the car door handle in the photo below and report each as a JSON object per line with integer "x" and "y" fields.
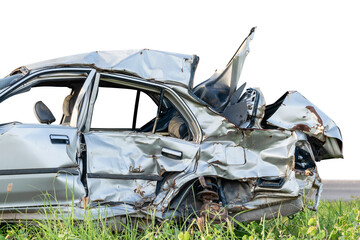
{"x": 59, "y": 139}
{"x": 170, "y": 153}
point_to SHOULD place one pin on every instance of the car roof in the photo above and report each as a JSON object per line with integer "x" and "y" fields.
{"x": 164, "y": 67}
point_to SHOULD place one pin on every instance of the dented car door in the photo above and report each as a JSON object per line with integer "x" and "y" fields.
{"x": 41, "y": 164}
{"x": 125, "y": 165}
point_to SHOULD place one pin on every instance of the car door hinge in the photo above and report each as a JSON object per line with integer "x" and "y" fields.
{"x": 82, "y": 147}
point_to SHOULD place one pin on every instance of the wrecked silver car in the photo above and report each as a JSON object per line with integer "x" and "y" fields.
{"x": 215, "y": 148}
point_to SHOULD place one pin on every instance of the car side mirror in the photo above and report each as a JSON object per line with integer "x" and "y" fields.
{"x": 43, "y": 113}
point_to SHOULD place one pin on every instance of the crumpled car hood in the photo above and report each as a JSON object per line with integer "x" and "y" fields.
{"x": 294, "y": 112}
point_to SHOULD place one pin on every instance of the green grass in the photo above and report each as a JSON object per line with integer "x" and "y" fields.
{"x": 333, "y": 220}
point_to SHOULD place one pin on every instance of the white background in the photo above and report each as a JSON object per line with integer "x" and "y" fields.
{"x": 309, "y": 46}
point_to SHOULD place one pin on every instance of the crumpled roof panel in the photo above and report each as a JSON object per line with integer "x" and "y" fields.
{"x": 148, "y": 64}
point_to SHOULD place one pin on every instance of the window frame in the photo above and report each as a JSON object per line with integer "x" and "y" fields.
{"x": 146, "y": 86}
{"x": 53, "y": 74}
{"x": 134, "y": 110}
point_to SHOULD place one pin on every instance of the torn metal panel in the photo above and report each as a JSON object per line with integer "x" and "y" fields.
{"x": 236, "y": 111}
{"x": 256, "y": 106}
{"x": 212, "y": 123}
{"x": 218, "y": 89}
{"x": 294, "y": 112}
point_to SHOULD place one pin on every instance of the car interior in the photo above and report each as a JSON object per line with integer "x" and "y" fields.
{"x": 164, "y": 116}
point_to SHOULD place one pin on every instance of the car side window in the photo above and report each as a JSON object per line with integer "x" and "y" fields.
{"x": 114, "y": 109}
{"x": 20, "y": 107}
{"x": 123, "y": 109}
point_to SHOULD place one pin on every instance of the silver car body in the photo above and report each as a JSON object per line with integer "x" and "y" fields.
{"x": 250, "y": 158}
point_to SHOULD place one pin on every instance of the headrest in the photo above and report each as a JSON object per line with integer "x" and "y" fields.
{"x": 43, "y": 113}
{"x": 68, "y": 105}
